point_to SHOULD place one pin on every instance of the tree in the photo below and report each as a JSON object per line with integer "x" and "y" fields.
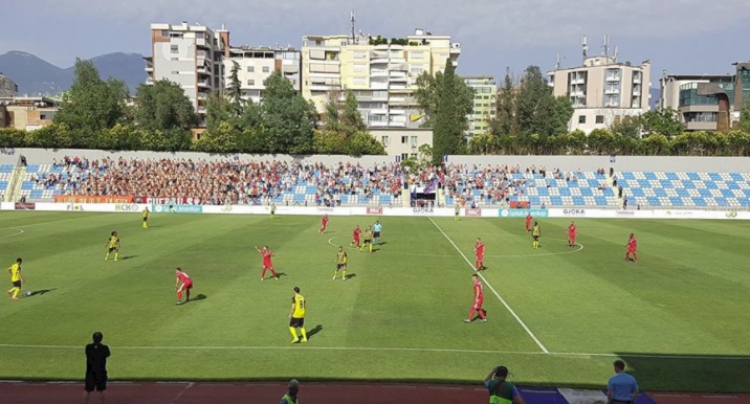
{"x": 362, "y": 143}
{"x": 744, "y": 123}
{"x": 538, "y": 111}
{"x": 329, "y": 142}
{"x": 627, "y": 126}
{"x": 450, "y": 121}
{"x": 351, "y": 119}
{"x": 664, "y": 121}
{"x": 331, "y": 120}
{"x": 234, "y": 90}
{"x": 219, "y": 110}
{"x": 288, "y": 119}
{"x": 163, "y": 106}
{"x": 92, "y": 104}
{"x": 223, "y": 139}
{"x": 429, "y": 92}
{"x": 504, "y": 122}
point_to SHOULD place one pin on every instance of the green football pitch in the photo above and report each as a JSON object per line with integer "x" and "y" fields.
{"x": 557, "y": 315}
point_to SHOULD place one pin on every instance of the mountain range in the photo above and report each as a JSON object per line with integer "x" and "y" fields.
{"x": 35, "y": 76}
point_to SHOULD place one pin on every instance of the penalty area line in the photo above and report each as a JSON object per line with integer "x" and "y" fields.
{"x": 383, "y": 349}
{"x": 507, "y": 306}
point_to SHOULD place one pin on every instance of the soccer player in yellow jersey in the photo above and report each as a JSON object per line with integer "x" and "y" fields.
{"x": 368, "y": 239}
{"x": 536, "y": 232}
{"x": 297, "y": 316}
{"x": 113, "y": 246}
{"x": 341, "y": 259}
{"x": 145, "y": 218}
{"x": 16, "y": 279}
{"x": 457, "y": 211}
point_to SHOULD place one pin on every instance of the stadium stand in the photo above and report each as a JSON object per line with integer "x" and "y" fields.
{"x": 248, "y": 182}
{"x": 688, "y": 189}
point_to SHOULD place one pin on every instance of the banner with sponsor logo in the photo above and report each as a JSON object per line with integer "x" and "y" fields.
{"x": 177, "y": 208}
{"x": 74, "y": 207}
{"x": 474, "y": 212}
{"x": 574, "y": 212}
{"x": 92, "y": 199}
{"x": 511, "y": 213}
{"x": 127, "y": 207}
{"x": 423, "y": 211}
{"x": 168, "y": 201}
{"x": 25, "y": 206}
{"x": 374, "y": 210}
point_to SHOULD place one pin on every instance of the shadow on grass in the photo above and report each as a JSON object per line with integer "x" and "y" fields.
{"x": 350, "y": 276}
{"x": 129, "y": 257}
{"x": 280, "y": 274}
{"x": 318, "y": 328}
{"x": 41, "y": 292}
{"x": 198, "y": 297}
{"x": 671, "y": 372}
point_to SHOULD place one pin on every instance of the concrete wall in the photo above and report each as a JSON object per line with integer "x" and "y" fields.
{"x": 566, "y": 163}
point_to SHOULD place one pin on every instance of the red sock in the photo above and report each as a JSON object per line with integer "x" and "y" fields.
{"x": 179, "y": 295}
{"x": 472, "y": 313}
{"x": 273, "y": 273}
{"x": 482, "y": 315}
{"x": 476, "y": 264}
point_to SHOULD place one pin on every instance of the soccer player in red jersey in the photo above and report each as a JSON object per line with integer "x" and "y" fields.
{"x": 323, "y": 224}
{"x": 572, "y": 233}
{"x": 356, "y": 236}
{"x": 183, "y": 284}
{"x": 478, "y": 300}
{"x": 267, "y": 264}
{"x": 529, "y": 218}
{"x": 479, "y": 250}
{"x": 632, "y": 249}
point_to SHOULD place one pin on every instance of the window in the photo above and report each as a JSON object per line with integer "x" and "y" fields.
{"x": 251, "y": 82}
{"x": 581, "y": 119}
{"x": 360, "y": 55}
{"x": 417, "y": 55}
{"x": 174, "y": 72}
{"x": 175, "y": 49}
{"x": 359, "y": 68}
{"x": 414, "y": 141}
{"x": 360, "y": 81}
{"x": 417, "y": 69}
{"x": 414, "y": 155}
{"x": 384, "y": 141}
{"x": 165, "y": 33}
{"x": 404, "y": 139}
{"x": 251, "y": 69}
{"x": 404, "y": 156}
{"x": 600, "y": 119}
{"x": 266, "y": 69}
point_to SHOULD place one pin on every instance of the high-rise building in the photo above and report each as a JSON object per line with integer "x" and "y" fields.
{"x": 485, "y": 98}
{"x": 382, "y": 73}
{"x": 8, "y": 88}
{"x": 256, "y": 64}
{"x": 191, "y": 56}
{"x": 603, "y": 91}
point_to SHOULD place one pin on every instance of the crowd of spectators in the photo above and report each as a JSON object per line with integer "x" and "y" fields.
{"x": 258, "y": 182}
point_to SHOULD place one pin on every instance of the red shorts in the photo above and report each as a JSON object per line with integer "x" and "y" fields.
{"x": 267, "y": 265}
{"x": 185, "y": 286}
{"x": 478, "y": 304}
{"x": 480, "y": 257}
{"x": 631, "y": 250}
{"x": 356, "y": 240}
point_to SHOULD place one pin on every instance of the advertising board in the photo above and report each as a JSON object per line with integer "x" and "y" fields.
{"x": 474, "y": 212}
{"x": 92, "y": 199}
{"x": 177, "y": 208}
{"x": 512, "y": 213}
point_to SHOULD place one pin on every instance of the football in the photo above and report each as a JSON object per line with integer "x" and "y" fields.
{"x": 28, "y": 293}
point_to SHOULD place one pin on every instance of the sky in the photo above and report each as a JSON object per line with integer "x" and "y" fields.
{"x": 682, "y": 36}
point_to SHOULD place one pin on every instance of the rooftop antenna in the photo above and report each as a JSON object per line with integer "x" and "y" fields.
{"x": 585, "y": 47}
{"x": 557, "y": 64}
{"x": 606, "y": 46}
{"x": 353, "y": 18}
{"x": 614, "y": 57}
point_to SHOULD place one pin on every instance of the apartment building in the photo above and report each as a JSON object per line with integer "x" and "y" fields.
{"x": 256, "y": 64}
{"x": 191, "y": 56}
{"x": 381, "y": 72}
{"x": 8, "y": 88}
{"x": 602, "y": 90}
{"x": 485, "y": 98}
{"x": 27, "y": 113}
{"x": 696, "y": 112}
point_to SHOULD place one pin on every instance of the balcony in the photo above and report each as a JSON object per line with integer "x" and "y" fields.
{"x": 322, "y": 87}
{"x": 456, "y": 47}
{"x": 577, "y": 81}
{"x": 396, "y": 124}
{"x": 378, "y": 85}
{"x": 378, "y": 73}
{"x": 379, "y": 111}
{"x": 397, "y": 60}
{"x": 613, "y": 91}
{"x": 149, "y": 68}
{"x": 397, "y": 111}
{"x": 201, "y": 109}
{"x": 380, "y": 97}
{"x": 202, "y": 96}
{"x": 379, "y": 61}
{"x": 613, "y": 78}
{"x": 378, "y": 124}
{"x": 696, "y": 125}
{"x": 204, "y": 84}
{"x": 149, "y": 81}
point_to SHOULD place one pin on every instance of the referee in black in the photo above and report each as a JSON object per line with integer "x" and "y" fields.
{"x": 96, "y": 367}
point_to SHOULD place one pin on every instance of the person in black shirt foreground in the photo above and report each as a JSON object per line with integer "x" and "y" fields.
{"x": 96, "y": 367}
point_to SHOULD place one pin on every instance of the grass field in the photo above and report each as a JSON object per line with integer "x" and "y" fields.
{"x": 679, "y": 318}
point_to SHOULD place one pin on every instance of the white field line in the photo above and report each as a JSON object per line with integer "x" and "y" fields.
{"x": 510, "y": 310}
{"x": 380, "y": 349}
